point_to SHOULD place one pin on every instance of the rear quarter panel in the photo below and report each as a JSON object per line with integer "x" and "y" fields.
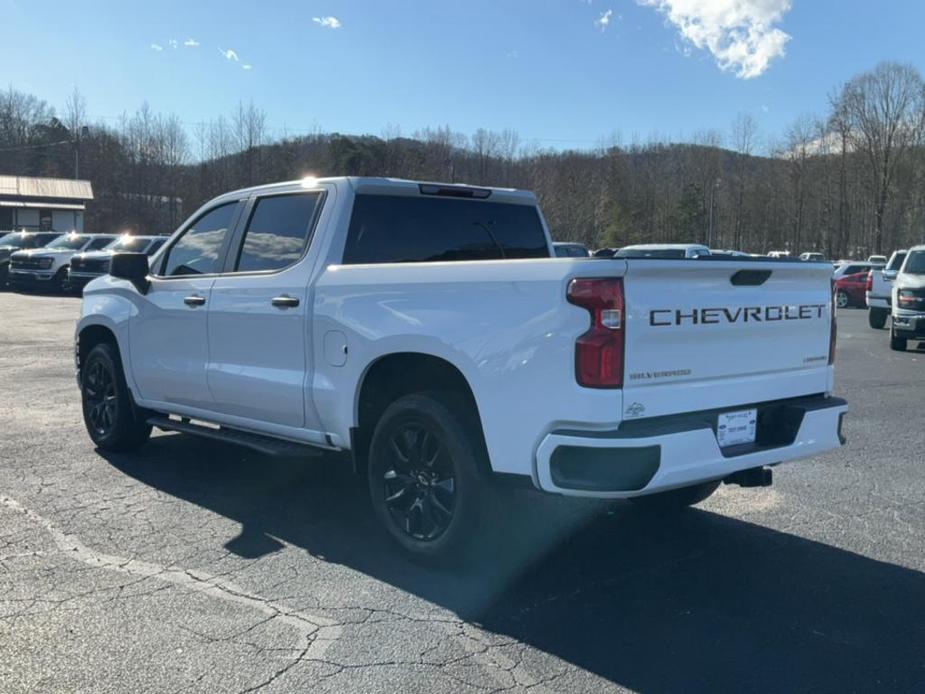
{"x": 506, "y": 325}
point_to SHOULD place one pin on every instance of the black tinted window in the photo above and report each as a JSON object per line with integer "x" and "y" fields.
{"x": 394, "y": 229}
{"x": 915, "y": 263}
{"x": 278, "y": 232}
{"x": 197, "y": 252}
{"x": 660, "y": 253}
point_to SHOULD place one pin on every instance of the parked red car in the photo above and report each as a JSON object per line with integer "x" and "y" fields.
{"x": 850, "y": 289}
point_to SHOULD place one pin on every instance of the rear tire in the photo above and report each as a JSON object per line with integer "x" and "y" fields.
{"x": 111, "y": 418}
{"x": 425, "y": 481}
{"x": 897, "y": 344}
{"x": 676, "y": 499}
{"x": 841, "y": 299}
{"x": 876, "y": 318}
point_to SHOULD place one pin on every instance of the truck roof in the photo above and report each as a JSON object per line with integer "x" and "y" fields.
{"x": 396, "y": 186}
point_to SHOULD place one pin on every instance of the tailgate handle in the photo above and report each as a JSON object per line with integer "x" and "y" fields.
{"x": 750, "y": 278}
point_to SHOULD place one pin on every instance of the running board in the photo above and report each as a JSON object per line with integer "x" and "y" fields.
{"x": 256, "y": 442}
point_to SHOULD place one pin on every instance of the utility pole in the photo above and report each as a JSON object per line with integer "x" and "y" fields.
{"x": 712, "y": 211}
{"x": 81, "y": 131}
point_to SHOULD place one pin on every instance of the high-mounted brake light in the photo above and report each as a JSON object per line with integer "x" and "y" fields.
{"x": 599, "y": 352}
{"x": 454, "y": 191}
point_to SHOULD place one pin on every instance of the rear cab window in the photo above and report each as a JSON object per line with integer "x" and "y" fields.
{"x": 411, "y": 229}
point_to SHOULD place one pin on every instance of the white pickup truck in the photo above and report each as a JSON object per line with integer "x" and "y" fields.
{"x": 880, "y": 289}
{"x": 427, "y": 330}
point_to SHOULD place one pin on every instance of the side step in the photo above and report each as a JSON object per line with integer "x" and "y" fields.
{"x": 256, "y": 442}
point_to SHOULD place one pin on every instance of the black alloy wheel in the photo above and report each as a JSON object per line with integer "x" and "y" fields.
{"x": 112, "y": 419}
{"x": 101, "y": 398}
{"x": 419, "y": 482}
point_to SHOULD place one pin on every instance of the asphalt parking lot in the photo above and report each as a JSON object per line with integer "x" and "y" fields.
{"x": 192, "y": 566}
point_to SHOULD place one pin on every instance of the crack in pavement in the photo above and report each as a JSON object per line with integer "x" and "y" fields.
{"x": 316, "y": 633}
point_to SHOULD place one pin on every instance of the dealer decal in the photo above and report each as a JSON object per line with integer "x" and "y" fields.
{"x": 665, "y": 317}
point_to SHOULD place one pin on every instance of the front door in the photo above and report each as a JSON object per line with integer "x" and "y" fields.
{"x": 168, "y": 338}
{"x": 259, "y": 315}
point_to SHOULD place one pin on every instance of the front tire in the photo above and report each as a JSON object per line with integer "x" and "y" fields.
{"x": 876, "y": 318}
{"x": 424, "y": 478}
{"x": 676, "y": 499}
{"x": 110, "y": 416}
{"x": 897, "y": 344}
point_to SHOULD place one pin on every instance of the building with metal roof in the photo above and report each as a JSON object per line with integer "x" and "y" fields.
{"x": 47, "y": 204}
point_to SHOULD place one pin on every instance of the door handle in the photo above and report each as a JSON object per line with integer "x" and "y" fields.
{"x": 285, "y": 301}
{"x": 194, "y": 301}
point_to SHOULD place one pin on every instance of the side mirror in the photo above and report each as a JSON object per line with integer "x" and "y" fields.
{"x": 132, "y": 267}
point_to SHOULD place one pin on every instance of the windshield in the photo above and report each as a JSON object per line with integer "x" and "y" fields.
{"x": 129, "y": 244}
{"x": 70, "y": 242}
{"x": 17, "y": 241}
{"x": 915, "y": 263}
{"x": 666, "y": 253}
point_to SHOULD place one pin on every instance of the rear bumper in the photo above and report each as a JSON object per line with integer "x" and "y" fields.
{"x": 644, "y": 457}
{"x": 874, "y": 301}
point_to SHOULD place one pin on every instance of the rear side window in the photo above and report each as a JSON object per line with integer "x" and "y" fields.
{"x": 198, "y": 250}
{"x": 897, "y": 261}
{"x": 278, "y": 231}
{"x": 398, "y": 229}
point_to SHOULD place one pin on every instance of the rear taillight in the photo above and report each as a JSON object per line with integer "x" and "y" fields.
{"x": 599, "y": 351}
{"x": 870, "y": 280}
{"x": 834, "y": 329}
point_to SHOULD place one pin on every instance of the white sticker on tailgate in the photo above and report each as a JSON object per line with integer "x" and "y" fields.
{"x": 734, "y": 428}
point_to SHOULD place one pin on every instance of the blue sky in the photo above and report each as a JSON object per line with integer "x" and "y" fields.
{"x": 550, "y": 69}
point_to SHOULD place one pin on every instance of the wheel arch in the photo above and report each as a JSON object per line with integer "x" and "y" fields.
{"x": 393, "y": 375}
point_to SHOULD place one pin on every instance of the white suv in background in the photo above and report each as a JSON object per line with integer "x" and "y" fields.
{"x": 48, "y": 266}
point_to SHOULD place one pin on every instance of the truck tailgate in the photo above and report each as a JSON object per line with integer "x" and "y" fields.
{"x": 704, "y": 334}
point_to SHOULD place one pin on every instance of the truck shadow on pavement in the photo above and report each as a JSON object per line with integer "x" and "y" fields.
{"x": 699, "y": 602}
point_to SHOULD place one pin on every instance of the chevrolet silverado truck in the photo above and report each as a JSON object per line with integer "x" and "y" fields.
{"x": 427, "y": 333}
{"x": 907, "y": 320}
{"x": 879, "y": 290}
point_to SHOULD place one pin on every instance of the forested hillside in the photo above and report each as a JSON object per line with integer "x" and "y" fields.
{"x": 847, "y": 182}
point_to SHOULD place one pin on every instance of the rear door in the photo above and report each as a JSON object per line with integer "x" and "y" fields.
{"x": 259, "y": 357}
{"x": 168, "y": 337}
{"x": 705, "y": 334}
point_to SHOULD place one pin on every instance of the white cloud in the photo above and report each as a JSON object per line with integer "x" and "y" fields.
{"x": 603, "y": 21}
{"x": 739, "y": 33}
{"x": 173, "y": 43}
{"x": 156, "y": 47}
{"x": 247, "y": 66}
{"x": 192, "y": 43}
{"x": 229, "y": 54}
{"x": 327, "y": 22}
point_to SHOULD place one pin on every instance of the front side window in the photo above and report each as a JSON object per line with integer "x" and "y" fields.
{"x": 278, "y": 232}
{"x": 198, "y": 250}
{"x": 400, "y": 229}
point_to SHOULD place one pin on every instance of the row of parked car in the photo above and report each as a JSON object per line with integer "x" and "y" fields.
{"x": 64, "y": 262}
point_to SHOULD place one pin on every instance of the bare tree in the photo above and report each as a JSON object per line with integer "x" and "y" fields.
{"x": 884, "y": 112}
